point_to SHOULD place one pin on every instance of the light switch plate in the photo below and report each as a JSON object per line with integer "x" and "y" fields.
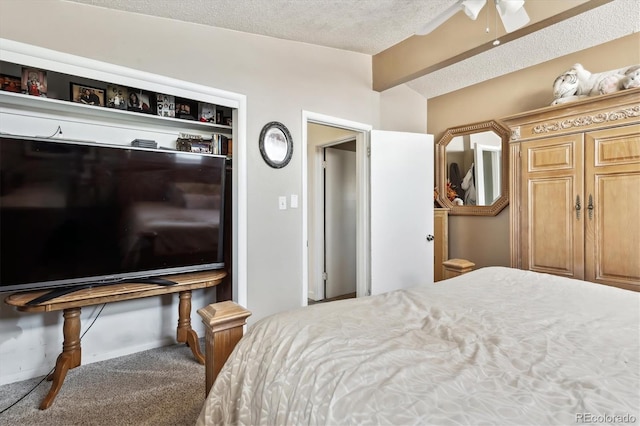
{"x": 282, "y": 202}
{"x": 294, "y": 201}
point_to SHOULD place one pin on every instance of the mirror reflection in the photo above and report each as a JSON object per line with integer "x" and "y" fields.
{"x": 473, "y": 167}
{"x": 275, "y": 145}
{"x": 472, "y": 162}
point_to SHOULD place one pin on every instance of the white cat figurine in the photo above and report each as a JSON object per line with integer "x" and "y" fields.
{"x": 577, "y": 83}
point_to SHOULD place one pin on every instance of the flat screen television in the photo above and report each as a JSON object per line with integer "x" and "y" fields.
{"x": 77, "y": 214}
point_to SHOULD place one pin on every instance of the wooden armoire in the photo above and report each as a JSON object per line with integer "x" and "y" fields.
{"x": 575, "y": 189}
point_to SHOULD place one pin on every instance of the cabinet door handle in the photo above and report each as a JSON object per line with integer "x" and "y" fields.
{"x": 590, "y": 207}
{"x": 578, "y": 207}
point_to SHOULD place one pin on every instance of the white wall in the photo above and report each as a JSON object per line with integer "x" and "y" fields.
{"x": 280, "y": 79}
{"x": 404, "y": 109}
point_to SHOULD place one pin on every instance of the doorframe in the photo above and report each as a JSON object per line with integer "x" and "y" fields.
{"x": 363, "y": 134}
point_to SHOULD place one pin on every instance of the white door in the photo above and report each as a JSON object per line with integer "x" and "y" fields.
{"x": 401, "y": 187}
{"x": 340, "y": 221}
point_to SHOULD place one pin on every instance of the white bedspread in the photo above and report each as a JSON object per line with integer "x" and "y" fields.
{"x": 496, "y": 346}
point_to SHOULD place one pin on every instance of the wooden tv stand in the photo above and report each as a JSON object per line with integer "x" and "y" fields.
{"x": 71, "y": 304}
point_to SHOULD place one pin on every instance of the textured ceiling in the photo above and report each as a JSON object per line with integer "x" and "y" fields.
{"x": 370, "y": 26}
{"x": 365, "y": 26}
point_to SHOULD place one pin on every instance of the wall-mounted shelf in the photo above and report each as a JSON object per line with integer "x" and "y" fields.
{"x": 49, "y": 105}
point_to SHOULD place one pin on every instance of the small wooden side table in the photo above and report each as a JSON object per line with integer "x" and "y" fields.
{"x": 455, "y": 267}
{"x": 71, "y": 304}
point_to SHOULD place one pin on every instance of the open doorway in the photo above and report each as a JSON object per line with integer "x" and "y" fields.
{"x": 335, "y": 264}
{"x": 335, "y": 194}
{"x": 394, "y": 206}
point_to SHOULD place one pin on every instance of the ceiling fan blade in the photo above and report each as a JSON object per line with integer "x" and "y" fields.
{"x": 512, "y": 14}
{"x": 473, "y": 7}
{"x": 440, "y": 19}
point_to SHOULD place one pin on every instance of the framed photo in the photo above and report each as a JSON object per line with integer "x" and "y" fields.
{"x": 207, "y": 113}
{"x": 34, "y": 82}
{"x": 139, "y": 100}
{"x": 194, "y": 145}
{"x": 117, "y": 96}
{"x": 186, "y": 109}
{"x": 10, "y": 83}
{"x": 165, "y": 105}
{"x": 87, "y": 95}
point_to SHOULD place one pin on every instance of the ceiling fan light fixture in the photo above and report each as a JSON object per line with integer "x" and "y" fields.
{"x": 512, "y": 14}
{"x": 472, "y": 8}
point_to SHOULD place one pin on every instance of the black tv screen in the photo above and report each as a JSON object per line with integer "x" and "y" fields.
{"x": 76, "y": 213}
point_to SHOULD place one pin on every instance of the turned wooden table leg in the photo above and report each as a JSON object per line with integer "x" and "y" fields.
{"x": 70, "y": 357}
{"x": 185, "y": 334}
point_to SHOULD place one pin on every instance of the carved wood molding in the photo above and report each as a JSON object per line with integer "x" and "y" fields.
{"x": 592, "y": 113}
{"x": 587, "y": 120}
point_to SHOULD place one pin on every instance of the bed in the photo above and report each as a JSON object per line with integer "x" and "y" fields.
{"x": 494, "y": 346}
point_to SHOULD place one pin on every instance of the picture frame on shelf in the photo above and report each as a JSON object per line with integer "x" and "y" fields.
{"x": 139, "y": 101}
{"x": 117, "y": 96}
{"x": 186, "y": 109}
{"x": 165, "y": 105}
{"x": 200, "y": 146}
{"x": 88, "y": 95}
{"x": 34, "y": 82}
{"x": 207, "y": 113}
{"x": 10, "y": 83}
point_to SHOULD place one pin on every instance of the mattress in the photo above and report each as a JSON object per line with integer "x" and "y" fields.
{"x": 494, "y": 346}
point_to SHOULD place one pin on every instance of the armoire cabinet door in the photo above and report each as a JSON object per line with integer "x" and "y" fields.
{"x": 612, "y": 187}
{"x": 552, "y": 208}
{"x": 441, "y": 242}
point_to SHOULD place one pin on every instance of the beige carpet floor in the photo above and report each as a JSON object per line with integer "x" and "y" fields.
{"x": 163, "y": 386}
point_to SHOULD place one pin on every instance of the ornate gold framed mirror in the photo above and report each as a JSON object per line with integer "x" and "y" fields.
{"x": 472, "y": 176}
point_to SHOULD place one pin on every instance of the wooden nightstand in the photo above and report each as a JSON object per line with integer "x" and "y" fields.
{"x": 455, "y": 267}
